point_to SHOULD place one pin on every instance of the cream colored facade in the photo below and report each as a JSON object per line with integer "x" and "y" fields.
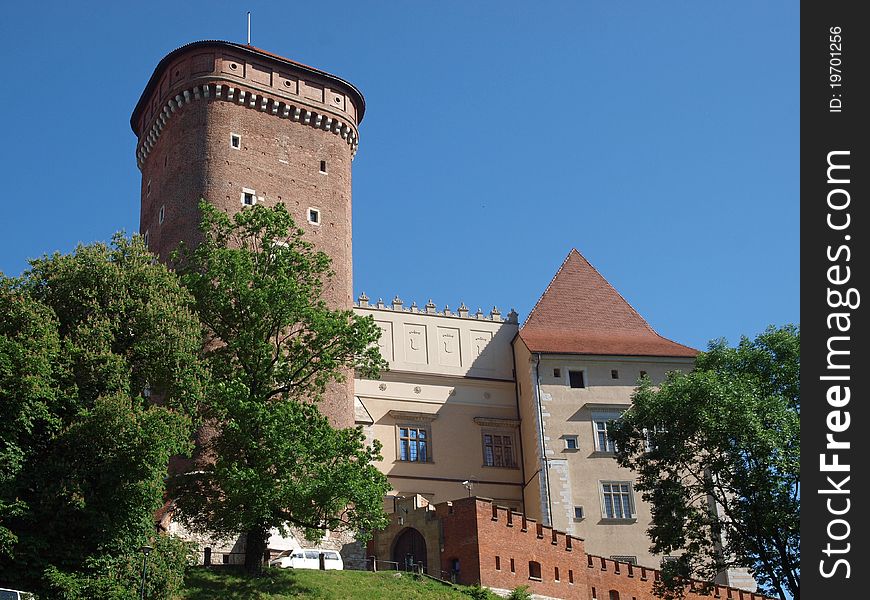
{"x": 573, "y": 464}
{"x": 451, "y": 380}
{"x": 461, "y": 377}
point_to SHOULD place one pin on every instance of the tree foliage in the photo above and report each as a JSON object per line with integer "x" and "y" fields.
{"x": 716, "y": 451}
{"x": 272, "y": 347}
{"x": 83, "y": 451}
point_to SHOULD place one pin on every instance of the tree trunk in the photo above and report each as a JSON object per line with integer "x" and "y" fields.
{"x": 255, "y": 549}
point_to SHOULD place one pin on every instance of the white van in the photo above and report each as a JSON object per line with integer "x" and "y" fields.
{"x": 309, "y": 559}
{"x": 7, "y": 594}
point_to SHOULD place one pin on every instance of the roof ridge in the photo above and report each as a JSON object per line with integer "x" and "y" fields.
{"x": 547, "y": 289}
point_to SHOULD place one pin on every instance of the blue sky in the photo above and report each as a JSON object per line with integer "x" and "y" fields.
{"x": 659, "y": 139}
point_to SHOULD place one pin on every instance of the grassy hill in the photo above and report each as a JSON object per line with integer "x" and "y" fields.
{"x": 281, "y": 584}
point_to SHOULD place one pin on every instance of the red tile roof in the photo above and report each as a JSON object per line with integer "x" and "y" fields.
{"x": 581, "y": 313}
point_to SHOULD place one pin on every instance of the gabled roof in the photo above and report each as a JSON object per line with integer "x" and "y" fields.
{"x": 581, "y": 313}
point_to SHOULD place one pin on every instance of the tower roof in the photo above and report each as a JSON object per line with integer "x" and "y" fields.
{"x": 581, "y": 313}
{"x": 251, "y": 51}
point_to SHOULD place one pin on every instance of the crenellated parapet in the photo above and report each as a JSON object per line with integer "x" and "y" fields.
{"x": 462, "y": 312}
{"x": 215, "y": 71}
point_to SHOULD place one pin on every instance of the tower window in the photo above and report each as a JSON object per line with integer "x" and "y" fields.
{"x": 249, "y": 197}
{"x": 161, "y": 215}
{"x": 323, "y": 166}
{"x": 146, "y": 238}
{"x": 576, "y": 379}
{"x": 148, "y": 188}
{"x": 314, "y": 216}
{"x": 235, "y": 141}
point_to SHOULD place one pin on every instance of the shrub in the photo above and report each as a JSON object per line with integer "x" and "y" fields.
{"x": 120, "y": 578}
{"x": 521, "y": 592}
{"x": 477, "y": 592}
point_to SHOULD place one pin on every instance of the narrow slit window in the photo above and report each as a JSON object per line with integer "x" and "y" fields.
{"x": 235, "y": 141}
{"x": 323, "y": 166}
{"x": 161, "y": 216}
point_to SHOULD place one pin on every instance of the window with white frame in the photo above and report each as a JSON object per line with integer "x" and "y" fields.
{"x": 248, "y": 197}
{"x": 578, "y": 513}
{"x": 235, "y": 141}
{"x": 617, "y": 500}
{"x": 601, "y": 421}
{"x": 571, "y": 442}
{"x": 414, "y": 443}
{"x": 498, "y": 450}
{"x": 314, "y": 216}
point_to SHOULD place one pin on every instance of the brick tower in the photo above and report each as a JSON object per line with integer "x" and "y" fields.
{"x": 238, "y": 126}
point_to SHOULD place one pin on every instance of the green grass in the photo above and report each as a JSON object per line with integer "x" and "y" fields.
{"x": 280, "y": 584}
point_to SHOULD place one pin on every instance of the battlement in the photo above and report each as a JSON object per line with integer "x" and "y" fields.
{"x": 398, "y": 305}
{"x": 608, "y": 572}
{"x": 476, "y": 541}
{"x": 211, "y": 70}
{"x": 543, "y": 534}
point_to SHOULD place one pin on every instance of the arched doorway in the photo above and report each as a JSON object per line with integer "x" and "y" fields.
{"x": 410, "y": 547}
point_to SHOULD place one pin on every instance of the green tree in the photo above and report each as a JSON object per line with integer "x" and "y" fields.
{"x": 272, "y": 346}
{"x": 716, "y": 451}
{"x": 83, "y": 450}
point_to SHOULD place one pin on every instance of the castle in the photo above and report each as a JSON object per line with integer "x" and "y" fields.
{"x": 473, "y": 404}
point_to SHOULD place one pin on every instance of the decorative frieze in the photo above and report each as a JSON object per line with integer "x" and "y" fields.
{"x": 274, "y": 106}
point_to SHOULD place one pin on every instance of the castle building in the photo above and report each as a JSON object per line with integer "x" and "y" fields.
{"x": 473, "y": 404}
{"x": 239, "y": 126}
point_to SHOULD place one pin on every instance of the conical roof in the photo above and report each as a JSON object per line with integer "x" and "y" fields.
{"x": 581, "y": 313}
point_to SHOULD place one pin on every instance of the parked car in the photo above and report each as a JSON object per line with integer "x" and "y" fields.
{"x": 309, "y": 559}
{"x": 7, "y": 594}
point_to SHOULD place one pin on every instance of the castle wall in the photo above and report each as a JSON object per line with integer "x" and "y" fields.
{"x": 502, "y": 549}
